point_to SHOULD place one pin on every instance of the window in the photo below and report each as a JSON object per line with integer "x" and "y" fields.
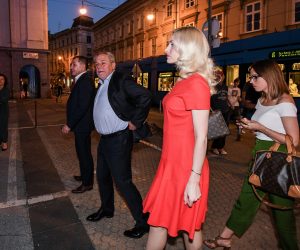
{"x": 297, "y": 11}
{"x": 253, "y": 16}
{"x": 169, "y": 8}
{"x": 140, "y": 22}
{"x": 75, "y": 52}
{"x": 88, "y": 39}
{"x": 189, "y": 3}
{"x": 191, "y": 24}
{"x": 141, "y": 49}
{"x": 88, "y": 52}
{"x": 220, "y": 18}
{"x": 153, "y": 46}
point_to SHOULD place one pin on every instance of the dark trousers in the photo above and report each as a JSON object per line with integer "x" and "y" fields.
{"x": 84, "y": 154}
{"x": 219, "y": 143}
{"x": 114, "y": 163}
{"x": 245, "y": 209}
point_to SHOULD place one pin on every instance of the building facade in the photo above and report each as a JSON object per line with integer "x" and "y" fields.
{"x": 24, "y": 45}
{"x": 64, "y": 45}
{"x": 137, "y": 32}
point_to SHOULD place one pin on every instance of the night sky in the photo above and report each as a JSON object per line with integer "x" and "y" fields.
{"x": 62, "y": 12}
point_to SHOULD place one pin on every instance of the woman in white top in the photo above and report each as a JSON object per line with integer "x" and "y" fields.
{"x": 275, "y": 116}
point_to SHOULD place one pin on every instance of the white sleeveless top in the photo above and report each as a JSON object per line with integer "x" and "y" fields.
{"x": 270, "y": 117}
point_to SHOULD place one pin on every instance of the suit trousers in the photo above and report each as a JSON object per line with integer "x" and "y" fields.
{"x": 84, "y": 155}
{"x": 247, "y": 205}
{"x": 114, "y": 164}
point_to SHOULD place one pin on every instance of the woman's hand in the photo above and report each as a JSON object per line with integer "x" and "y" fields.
{"x": 192, "y": 191}
{"x": 244, "y": 123}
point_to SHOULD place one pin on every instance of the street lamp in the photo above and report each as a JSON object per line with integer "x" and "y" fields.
{"x": 82, "y": 9}
{"x": 150, "y": 17}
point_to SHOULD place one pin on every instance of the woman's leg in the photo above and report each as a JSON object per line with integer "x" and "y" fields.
{"x": 157, "y": 238}
{"x": 194, "y": 244}
{"x": 285, "y": 223}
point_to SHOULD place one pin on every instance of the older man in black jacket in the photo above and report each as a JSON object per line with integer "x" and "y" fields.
{"x": 80, "y": 121}
{"x": 120, "y": 107}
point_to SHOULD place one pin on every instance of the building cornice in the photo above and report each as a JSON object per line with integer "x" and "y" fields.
{"x": 42, "y": 51}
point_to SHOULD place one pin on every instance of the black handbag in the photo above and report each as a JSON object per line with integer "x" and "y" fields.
{"x": 217, "y": 126}
{"x": 277, "y": 172}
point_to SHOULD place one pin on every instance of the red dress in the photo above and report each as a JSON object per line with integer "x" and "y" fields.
{"x": 164, "y": 200}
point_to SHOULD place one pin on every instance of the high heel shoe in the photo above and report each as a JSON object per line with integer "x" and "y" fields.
{"x": 215, "y": 243}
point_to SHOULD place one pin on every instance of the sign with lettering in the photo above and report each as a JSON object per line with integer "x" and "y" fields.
{"x": 30, "y": 55}
{"x": 285, "y": 54}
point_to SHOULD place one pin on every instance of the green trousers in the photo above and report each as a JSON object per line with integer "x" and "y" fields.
{"x": 245, "y": 209}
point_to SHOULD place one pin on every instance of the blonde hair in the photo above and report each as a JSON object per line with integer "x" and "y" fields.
{"x": 193, "y": 52}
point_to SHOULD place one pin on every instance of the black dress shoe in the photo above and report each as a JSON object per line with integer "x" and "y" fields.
{"x": 82, "y": 188}
{"x": 136, "y": 232}
{"x": 99, "y": 215}
{"x": 77, "y": 178}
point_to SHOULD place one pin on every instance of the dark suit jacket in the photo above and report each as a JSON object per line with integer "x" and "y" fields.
{"x": 130, "y": 101}
{"x": 80, "y": 105}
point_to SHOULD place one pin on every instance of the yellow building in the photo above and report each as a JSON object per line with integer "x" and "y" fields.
{"x": 137, "y": 32}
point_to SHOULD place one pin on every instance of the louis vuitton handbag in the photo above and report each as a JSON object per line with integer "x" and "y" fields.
{"x": 217, "y": 126}
{"x": 277, "y": 172}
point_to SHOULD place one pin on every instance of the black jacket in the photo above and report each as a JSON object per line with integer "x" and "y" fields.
{"x": 80, "y": 105}
{"x": 130, "y": 101}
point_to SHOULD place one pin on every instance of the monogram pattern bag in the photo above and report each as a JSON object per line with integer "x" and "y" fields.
{"x": 217, "y": 126}
{"x": 277, "y": 172}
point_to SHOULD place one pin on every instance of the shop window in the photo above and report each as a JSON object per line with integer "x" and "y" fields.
{"x": 142, "y": 79}
{"x": 296, "y": 66}
{"x": 232, "y": 72}
{"x": 220, "y": 18}
{"x": 166, "y": 81}
{"x": 253, "y": 16}
{"x": 281, "y": 66}
{"x": 294, "y": 80}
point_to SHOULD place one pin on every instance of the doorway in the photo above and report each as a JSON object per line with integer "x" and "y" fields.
{"x": 30, "y": 81}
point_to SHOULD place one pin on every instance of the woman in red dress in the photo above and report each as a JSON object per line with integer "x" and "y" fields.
{"x": 177, "y": 199}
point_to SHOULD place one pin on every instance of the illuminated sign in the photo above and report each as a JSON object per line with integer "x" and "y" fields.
{"x": 285, "y": 54}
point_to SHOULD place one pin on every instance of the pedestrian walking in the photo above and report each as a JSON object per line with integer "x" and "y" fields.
{"x": 80, "y": 121}
{"x": 4, "y": 112}
{"x": 121, "y": 106}
{"x": 177, "y": 199}
{"x": 219, "y": 101}
{"x": 275, "y": 116}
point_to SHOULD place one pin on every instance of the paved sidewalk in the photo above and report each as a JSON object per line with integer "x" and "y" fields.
{"x": 38, "y": 211}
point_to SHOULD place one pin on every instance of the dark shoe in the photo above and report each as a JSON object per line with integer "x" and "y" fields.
{"x": 99, "y": 215}
{"x": 82, "y": 189}
{"x": 77, "y": 178}
{"x": 136, "y": 232}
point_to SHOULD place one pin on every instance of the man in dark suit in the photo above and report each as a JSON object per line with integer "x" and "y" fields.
{"x": 120, "y": 107}
{"x": 80, "y": 121}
